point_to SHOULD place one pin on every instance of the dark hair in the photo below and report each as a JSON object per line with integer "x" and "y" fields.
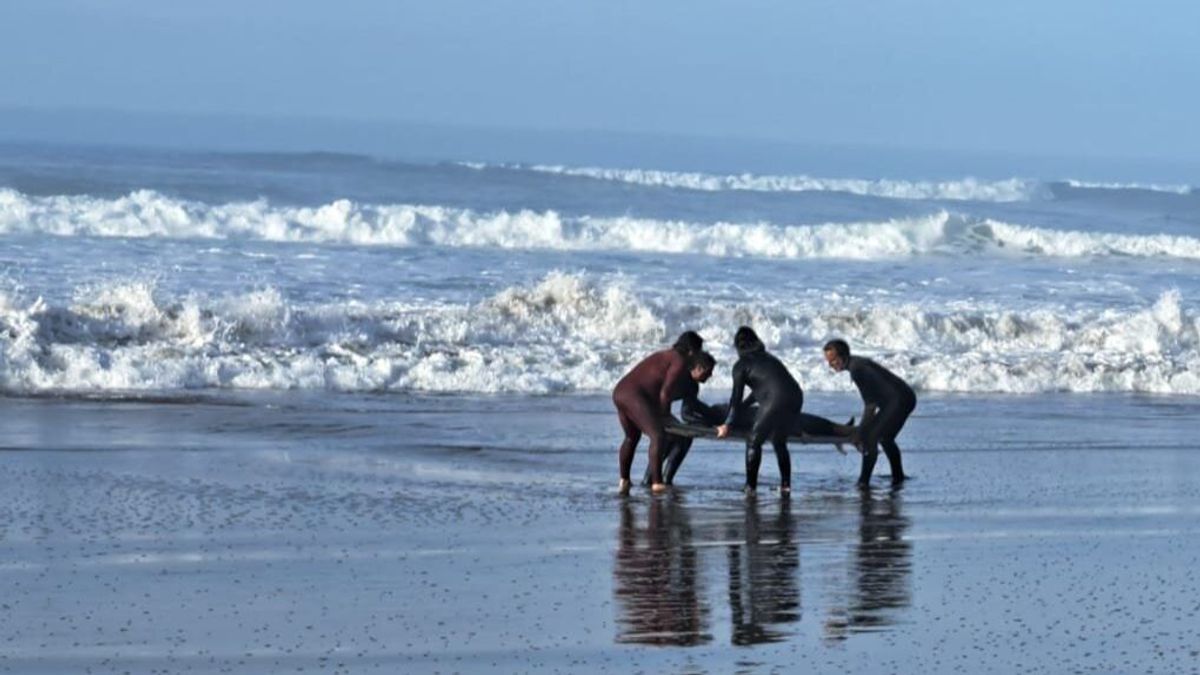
{"x": 838, "y": 347}
{"x": 689, "y": 342}
{"x": 746, "y": 340}
{"x": 701, "y": 359}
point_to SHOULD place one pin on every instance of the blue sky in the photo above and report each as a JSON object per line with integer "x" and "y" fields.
{"x": 1074, "y": 77}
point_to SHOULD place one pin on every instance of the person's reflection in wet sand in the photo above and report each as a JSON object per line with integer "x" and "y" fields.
{"x": 764, "y": 566}
{"x": 656, "y": 577}
{"x": 880, "y": 571}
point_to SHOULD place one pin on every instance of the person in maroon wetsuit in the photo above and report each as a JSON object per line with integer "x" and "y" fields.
{"x": 643, "y": 399}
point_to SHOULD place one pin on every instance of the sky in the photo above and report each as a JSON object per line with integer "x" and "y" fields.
{"x": 1075, "y": 77}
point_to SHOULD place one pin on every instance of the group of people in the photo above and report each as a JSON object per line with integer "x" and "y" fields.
{"x": 771, "y": 412}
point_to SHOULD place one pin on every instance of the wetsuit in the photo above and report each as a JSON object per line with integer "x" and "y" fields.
{"x": 643, "y": 398}
{"x": 887, "y": 403}
{"x": 693, "y": 411}
{"x": 779, "y": 400}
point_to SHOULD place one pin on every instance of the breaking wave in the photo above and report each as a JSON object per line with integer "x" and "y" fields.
{"x": 150, "y": 214}
{"x": 565, "y": 333}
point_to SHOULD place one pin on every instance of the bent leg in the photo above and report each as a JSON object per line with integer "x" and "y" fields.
{"x": 883, "y": 430}
{"x": 784, "y": 459}
{"x": 893, "y": 454}
{"x": 891, "y": 422}
{"x": 870, "y": 452}
{"x": 754, "y": 442}
{"x": 643, "y": 415}
{"x": 771, "y": 423}
{"x": 753, "y": 460}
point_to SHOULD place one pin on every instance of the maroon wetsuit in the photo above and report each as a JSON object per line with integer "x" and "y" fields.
{"x": 643, "y": 397}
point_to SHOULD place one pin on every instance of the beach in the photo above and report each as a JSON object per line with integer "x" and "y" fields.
{"x": 313, "y": 316}
{"x": 286, "y": 532}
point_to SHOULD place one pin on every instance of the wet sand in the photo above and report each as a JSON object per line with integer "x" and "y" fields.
{"x": 1051, "y": 534}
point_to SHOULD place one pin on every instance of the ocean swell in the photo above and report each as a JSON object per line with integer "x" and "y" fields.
{"x": 149, "y": 214}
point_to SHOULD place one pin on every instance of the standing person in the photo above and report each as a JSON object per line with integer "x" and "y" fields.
{"x": 779, "y": 401}
{"x": 643, "y": 398}
{"x": 887, "y": 403}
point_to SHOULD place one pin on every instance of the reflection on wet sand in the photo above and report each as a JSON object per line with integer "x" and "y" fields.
{"x": 662, "y": 550}
{"x": 656, "y": 578}
{"x": 880, "y": 571}
{"x": 764, "y": 584}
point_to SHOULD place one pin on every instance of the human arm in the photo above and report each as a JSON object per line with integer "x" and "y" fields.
{"x": 735, "y": 399}
{"x": 676, "y": 369}
{"x": 693, "y": 409}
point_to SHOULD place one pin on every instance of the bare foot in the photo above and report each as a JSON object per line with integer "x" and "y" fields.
{"x": 785, "y": 490}
{"x": 658, "y": 487}
{"x": 749, "y": 491}
{"x": 623, "y": 487}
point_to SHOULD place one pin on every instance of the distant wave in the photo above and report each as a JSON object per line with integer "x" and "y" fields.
{"x": 966, "y": 189}
{"x": 149, "y": 214}
{"x": 566, "y": 333}
{"x": 1146, "y": 187}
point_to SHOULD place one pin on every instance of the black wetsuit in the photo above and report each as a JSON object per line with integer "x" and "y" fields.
{"x": 887, "y": 403}
{"x": 779, "y": 401}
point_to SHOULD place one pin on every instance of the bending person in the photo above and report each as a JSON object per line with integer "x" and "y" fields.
{"x": 675, "y": 448}
{"x": 643, "y": 398}
{"x": 887, "y": 403}
{"x": 779, "y": 401}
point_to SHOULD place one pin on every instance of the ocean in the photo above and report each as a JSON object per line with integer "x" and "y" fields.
{"x": 153, "y": 271}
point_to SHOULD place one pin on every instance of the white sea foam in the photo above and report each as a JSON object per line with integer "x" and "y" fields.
{"x": 1147, "y": 187}
{"x": 149, "y": 214}
{"x": 567, "y": 333}
{"x": 1061, "y": 243}
{"x": 966, "y": 189}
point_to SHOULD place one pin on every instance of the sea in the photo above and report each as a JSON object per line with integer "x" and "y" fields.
{"x": 132, "y": 271}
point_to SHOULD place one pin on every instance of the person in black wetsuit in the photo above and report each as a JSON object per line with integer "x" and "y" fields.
{"x": 887, "y": 403}
{"x": 779, "y": 401}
